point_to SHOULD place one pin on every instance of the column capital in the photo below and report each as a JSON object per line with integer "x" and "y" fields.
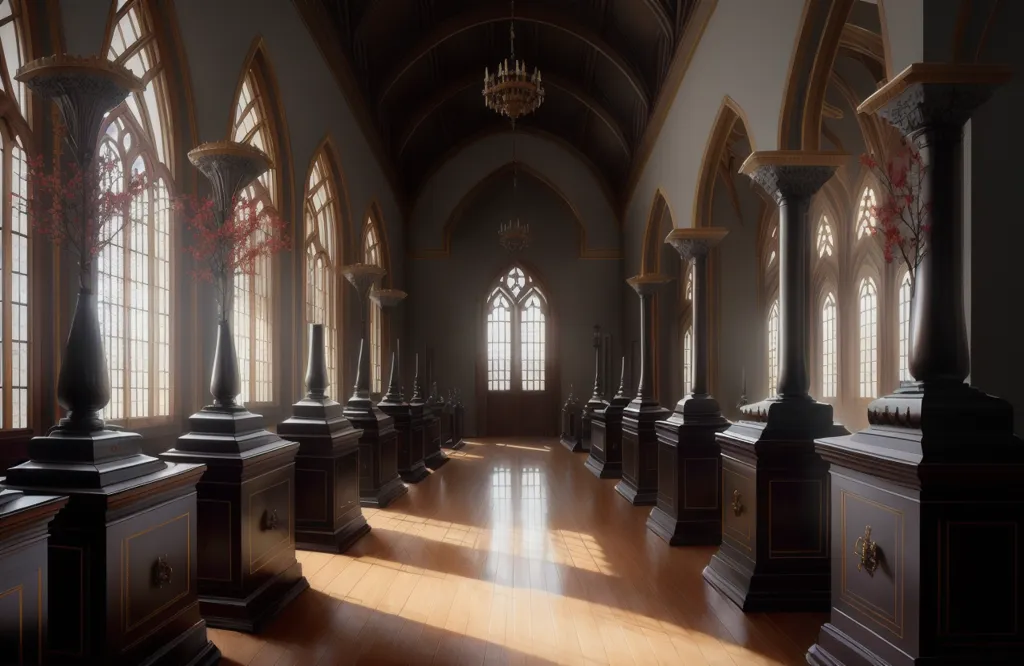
{"x": 935, "y": 94}
{"x": 696, "y": 241}
{"x": 792, "y": 173}
{"x": 648, "y": 284}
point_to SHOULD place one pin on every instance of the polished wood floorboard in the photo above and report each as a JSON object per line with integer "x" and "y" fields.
{"x": 513, "y": 553}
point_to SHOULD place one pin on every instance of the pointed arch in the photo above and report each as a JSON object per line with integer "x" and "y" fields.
{"x": 135, "y": 271}
{"x": 773, "y": 347}
{"x": 374, "y": 248}
{"x": 729, "y": 115}
{"x": 517, "y": 320}
{"x": 903, "y": 304}
{"x": 829, "y": 344}
{"x": 323, "y": 231}
{"x": 867, "y": 294}
{"x": 257, "y": 119}
{"x": 655, "y": 232}
{"x": 17, "y": 291}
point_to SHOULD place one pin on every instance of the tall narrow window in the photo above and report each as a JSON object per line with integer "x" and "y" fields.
{"x": 688, "y": 295}
{"x": 14, "y": 227}
{"x": 865, "y": 214}
{"x": 134, "y": 286}
{"x": 773, "y": 348}
{"x": 687, "y": 362}
{"x": 868, "y": 338}
{"x": 829, "y": 363}
{"x": 773, "y": 245}
{"x": 516, "y": 334}
{"x": 905, "y": 328}
{"x": 372, "y": 255}
{"x": 321, "y": 219}
{"x": 826, "y": 242}
{"x": 252, "y": 318}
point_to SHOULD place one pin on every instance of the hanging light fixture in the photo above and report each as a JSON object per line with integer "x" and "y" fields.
{"x": 512, "y": 91}
{"x": 514, "y": 235}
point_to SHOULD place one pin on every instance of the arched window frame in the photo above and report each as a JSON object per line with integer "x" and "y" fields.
{"x": 902, "y": 318}
{"x": 254, "y": 122}
{"x": 686, "y": 324}
{"x": 17, "y": 290}
{"x": 373, "y": 253}
{"x": 136, "y": 271}
{"x": 868, "y": 335}
{"x": 828, "y": 342}
{"x": 323, "y": 234}
{"x": 518, "y": 287}
{"x": 773, "y": 356}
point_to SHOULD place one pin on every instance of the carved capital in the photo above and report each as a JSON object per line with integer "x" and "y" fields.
{"x": 648, "y": 284}
{"x": 785, "y": 174}
{"x": 696, "y": 242}
{"x": 935, "y": 95}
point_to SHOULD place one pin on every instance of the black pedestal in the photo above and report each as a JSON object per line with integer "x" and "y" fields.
{"x": 246, "y": 517}
{"x": 379, "y": 483}
{"x": 605, "y": 459}
{"x": 688, "y": 512}
{"x": 775, "y": 526}
{"x": 24, "y": 523}
{"x": 458, "y": 427}
{"x": 122, "y": 554}
{"x": 409, "y": 437}
{"x": 572, "y": 426}
{"x": 433, "y": 456}
{"x": 639, "y": 484}
{"x": 928, "y": 511}
{"x": 328, "y": 515}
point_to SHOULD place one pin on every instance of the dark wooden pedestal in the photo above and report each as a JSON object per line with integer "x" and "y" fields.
{"x": 605, "y": 459}
{"x": 122, "y": 553}
{"x": 639, "y": 484}
{"x": 433, "y": 456}
{"x": 938, "y": 479}
{"x": 328, "y": 515}
{"x": 246, "y": 517}
{"x": 587, "y": 418}
{"x": 379, "y": 483}
{"x": 572, "y": 426}
{"x": 24, "y": 523}
{"x": 775, "y": 521}
{"x": 409, "y": 437}
{"x": 458, "y": 433}
{"x": 688, "y": 512}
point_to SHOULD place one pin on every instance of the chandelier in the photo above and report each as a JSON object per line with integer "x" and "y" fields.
{"x": 514, "y": 236}
{"x": 513, "y": 91}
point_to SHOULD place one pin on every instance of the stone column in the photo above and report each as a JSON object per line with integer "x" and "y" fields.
{"x": 938, "y": 454}
{"x": 646, "y": 286}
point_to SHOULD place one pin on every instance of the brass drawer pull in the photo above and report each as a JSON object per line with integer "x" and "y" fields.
{"x": 867, "y": 551}
{"x": 162, "y": 572}
{"x": 737, "y": 504}
{"x": 270, "y": 520}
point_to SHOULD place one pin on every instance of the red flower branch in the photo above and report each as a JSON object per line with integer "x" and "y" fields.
{"x": 83, "y": 208}
{"x": 224, "y": 248}
{"x": 904, "y": 218}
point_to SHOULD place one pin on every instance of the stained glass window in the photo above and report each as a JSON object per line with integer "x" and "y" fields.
{"x": 321, "y": 219}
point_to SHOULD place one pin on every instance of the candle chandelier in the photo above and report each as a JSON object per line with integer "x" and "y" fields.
{"x": 512, "y": 91}
{"x": 514, "y": 235}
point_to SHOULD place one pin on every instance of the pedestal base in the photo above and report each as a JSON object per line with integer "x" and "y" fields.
{"x": 247, "y": 571}
{"x": 639, "y": 484}
{"x": 688, "y": 512}
{"x": 928, "y": 506}
{"x": 379, "y": 483}
{"x": 573, "y": 442}
{"x": 121, "y": 556}
{"x": 775, "y": 526}
{"x": 433, "y": 457}
{"x": 328, "y": 515}
{"x": 587, "y": 419}
{"x": 605, "y": 459}
{"x": 24, "y": 521}
{"x": 409, "y": 430}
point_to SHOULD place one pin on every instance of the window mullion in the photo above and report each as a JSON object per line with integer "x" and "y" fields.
{"x": 152, "y": 314}
{"x": 8, "y": 294}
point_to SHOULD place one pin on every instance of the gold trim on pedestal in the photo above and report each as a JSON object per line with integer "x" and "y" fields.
{"x": 935, "y": 72}
{"x": 713, "y": 235}
{"x": 792, "y": 158}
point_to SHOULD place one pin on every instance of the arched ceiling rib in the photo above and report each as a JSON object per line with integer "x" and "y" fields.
{"x": 419, "y": 66}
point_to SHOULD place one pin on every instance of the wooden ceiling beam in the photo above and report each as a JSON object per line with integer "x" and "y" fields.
{"x": 551, "y": 82}
{"x": 528, "y": 14}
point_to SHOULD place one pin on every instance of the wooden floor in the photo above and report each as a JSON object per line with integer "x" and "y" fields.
{"x": 514, "y": 553}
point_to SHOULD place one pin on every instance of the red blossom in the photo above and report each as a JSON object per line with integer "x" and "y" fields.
{"x": 83, "y": 208}
{"x": 903, "y": 218}
{"x": 233, "y": 246}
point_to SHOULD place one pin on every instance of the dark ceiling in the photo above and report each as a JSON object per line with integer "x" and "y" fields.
{"x": 419, "y": 64}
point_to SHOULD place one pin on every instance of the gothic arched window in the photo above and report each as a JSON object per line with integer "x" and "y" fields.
{"x": 773, "y": 348}
{"x": 866, "y": 221}
{"x": 904, "y": 333}
{"x": 372, "y": 255}
{"x": 826, "y": 241}
{"x": 134, "y": 286}
{"x": 516, "y": 355}
{"x": 321, "y": 222}
{"x": 773, "y": 246}
{"x": 687, "y": 362}
{"x": 829, "y": 356}
{"x": 252, "y": 318}
{"x": 14, "y": 227}
{"x": 868, "y": 338}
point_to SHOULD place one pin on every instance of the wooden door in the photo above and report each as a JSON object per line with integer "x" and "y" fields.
{"x": 519, "y": 378}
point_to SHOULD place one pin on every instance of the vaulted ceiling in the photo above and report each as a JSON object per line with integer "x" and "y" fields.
{"x": 419, "y": 65}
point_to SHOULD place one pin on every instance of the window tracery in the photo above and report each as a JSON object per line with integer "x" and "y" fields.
{"x": 866, "y": 221}
{"x": 321, "y": 222}
{"x": 516, "y": 354}
{"x": 826, "y": 240}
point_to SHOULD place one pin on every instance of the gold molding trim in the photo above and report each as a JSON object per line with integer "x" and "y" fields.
{"x": 792, "y": 158}
{"x": 817, "y": 83}
{"x": 936, "y": 73}
{"x": 729, "y": 113}
{"x": 712, "y": 234}
{"x": 126, "y": 567}
{"x": 802, "y": 42}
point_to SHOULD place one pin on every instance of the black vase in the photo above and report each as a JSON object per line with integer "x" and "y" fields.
{"x": 83, "y": 387}
{"x": 226, "y": 383}
{"x": 316, "y": 363}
